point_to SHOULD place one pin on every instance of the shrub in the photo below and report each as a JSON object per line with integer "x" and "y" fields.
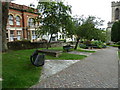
{"x": 94, "y": 44}
{"x": 87, "y": 42}
{"x": 108, "y": 43}
{"x": 115, "y": 32}
{"x": 17, "y": 45}
{"x": 97, "y": 43}
{"x": 83, "y": 46}
{"x": 118, "y": 43}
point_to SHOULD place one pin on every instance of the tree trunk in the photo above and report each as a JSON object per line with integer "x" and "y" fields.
{"x": 5, "y": 7}
{"x": 48, "y": 44}
{"x": 77, "y": 43}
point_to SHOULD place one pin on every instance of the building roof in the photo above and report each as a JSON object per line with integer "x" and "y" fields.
{"x": 22, "y": 8}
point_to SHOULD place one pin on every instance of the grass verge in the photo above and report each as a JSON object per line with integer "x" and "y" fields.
{"x": 80, "y": 50}
{"x": 66, "y": 56}
{"x": 18, "y": 72}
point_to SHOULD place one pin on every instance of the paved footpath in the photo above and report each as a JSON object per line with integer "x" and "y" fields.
{"x": 100, "y": 70}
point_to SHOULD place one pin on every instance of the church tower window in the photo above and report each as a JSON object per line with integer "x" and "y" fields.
{"x": 117, "y": 14}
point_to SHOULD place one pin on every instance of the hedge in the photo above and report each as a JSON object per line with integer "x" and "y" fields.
{"x": 20, "y": 45}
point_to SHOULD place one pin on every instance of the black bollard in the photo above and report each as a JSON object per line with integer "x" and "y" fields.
{"x": 36, "y": 59}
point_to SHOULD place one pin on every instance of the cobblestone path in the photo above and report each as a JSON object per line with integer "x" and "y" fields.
{"x": 80, "y": 53}
{"x": 99, "y": 70}
{"x": 52, "y": 67}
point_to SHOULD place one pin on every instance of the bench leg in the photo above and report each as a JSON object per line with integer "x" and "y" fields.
{"x": 67, "y": 50}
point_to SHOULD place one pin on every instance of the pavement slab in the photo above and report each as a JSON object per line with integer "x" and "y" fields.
{"x": 80, "y": 53}
{"x": 52, "y": 67}
{"x": 99, "y": 70}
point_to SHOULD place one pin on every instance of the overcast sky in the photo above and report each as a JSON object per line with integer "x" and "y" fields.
{"x": 98, "y": 8}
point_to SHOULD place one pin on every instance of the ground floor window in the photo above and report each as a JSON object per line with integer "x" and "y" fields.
{"x": 11, "y": 35}
{"x": 33, "y": 35}
{"x": 18, "y": 35}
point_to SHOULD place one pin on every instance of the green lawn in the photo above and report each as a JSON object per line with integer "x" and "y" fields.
{"x": 66, "y": 56}
{"x": 114, "y": 45}
{"x": 18, "y": 72}
{"x": 80, "y": 50}
{"x": 57, "y": 48}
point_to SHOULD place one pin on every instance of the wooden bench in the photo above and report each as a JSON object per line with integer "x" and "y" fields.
{"x": 68, "y": 47}
{"x": 54, "y": 53}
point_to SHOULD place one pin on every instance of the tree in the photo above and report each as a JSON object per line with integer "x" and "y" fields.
{"x": 85, "y": 28}
{"x": 115, "y": 32}
{"x": 5, "y": 7}
{"x": 54, "y": 16}
{"x": 69, "y": 29}
{"x": 100, "y": 35}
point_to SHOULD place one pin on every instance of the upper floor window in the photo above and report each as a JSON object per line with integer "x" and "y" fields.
{"x": 117, "y": 14}
{"x": 17, "y": 20}
{"x": 11, "y": 19}
{"x": 31, "y": 22}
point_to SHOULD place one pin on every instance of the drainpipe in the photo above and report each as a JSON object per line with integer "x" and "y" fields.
{"x": 23, "y": 24}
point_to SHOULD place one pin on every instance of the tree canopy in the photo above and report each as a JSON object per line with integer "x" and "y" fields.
{"x": 115, "y": 32}
{"x": 86, "y": 28}
{"x": 54, "y": 15}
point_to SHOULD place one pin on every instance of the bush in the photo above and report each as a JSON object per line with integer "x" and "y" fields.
{"x": 115, "y": 32}
{"x": 20, "y": 45}
{"x": 94, "y": 44}
{"x": 108, "y": 43}
{"x": 87, "y": 42}
{"x": 83, "y": 46}
{"x": 17, "y": 45}
{"x": 97, "y": 43}
{"x": 118, "y": 43}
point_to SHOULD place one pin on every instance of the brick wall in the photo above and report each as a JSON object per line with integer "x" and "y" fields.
{"x": 21, "y": 11}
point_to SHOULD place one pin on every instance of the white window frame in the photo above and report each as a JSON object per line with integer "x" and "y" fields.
{"x": 11, "y": 20}
{"x": 17, "y": 20}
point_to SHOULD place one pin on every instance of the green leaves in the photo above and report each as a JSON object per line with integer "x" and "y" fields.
{"x": 54, "y": 15}
{"x": 86, "y": 27}
{"x": 115, "y": 32}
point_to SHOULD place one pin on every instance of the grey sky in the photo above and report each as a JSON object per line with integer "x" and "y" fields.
{"x": 98, "y": 8}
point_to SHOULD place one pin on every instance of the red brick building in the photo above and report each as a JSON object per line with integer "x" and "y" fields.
{"x": 21, "y": 22}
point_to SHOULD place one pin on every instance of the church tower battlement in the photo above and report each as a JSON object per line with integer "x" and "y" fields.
{"x": 115, "y": 3}
{"x": 115, "y": 11}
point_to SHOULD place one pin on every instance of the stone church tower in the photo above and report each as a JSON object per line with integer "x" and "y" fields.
{"x": 115, "y": 17}
{"x": 115, "y": 11}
